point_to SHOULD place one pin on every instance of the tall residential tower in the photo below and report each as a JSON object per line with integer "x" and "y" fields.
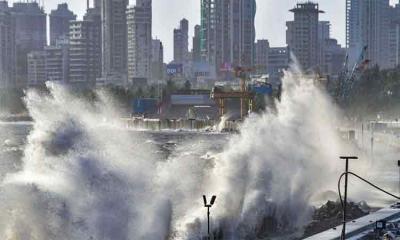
{"x": 181, "y": 44}
{"x": 59, "y": 22}
{"x": 227, "y": 32}
{"x": 30, "y": 29}
{"x": 302, "y": 35}
{"x": 368, "y": 24}
{"x": 7, "y": 47}
{"x": 114, "y": 40}
{"x": 139, "y": 41}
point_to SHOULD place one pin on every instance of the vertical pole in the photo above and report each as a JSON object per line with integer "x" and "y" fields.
{"x": 241, "y": 108}
{"x": 362, "y": 135}
{"x": 343, "y": 237}
{"x": 345, "y": 199}
{"x": 208, "y": 223}
{"x": 372, "y": 139}
{"x": 398, "y": 165}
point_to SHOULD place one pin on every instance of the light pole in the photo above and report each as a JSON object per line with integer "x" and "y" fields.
{"x": 208, "y": 206}
{"x": 347, "y": 158}
{"x": 398, "y": 164}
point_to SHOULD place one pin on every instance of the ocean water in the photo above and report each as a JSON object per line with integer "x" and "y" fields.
{"x": 76, "y": 172}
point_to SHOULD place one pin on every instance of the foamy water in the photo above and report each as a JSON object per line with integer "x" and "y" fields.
{"x": 85, "y": 177}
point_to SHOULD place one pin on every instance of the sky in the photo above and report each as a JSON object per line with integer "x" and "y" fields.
{"x": 270, "y": 18}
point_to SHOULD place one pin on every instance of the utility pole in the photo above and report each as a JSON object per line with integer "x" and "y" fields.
{"x": 347, "y": 158}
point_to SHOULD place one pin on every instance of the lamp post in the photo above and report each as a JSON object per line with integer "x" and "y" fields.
{"x": 398, "y": 164}
{"x": 347, "y": 158}
{"x": 208, "y": 206}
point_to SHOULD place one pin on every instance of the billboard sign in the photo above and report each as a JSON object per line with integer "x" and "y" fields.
{"x": 174, "y": 69}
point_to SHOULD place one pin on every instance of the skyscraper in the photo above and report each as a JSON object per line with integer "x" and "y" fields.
{"x": 157, "y": 60}
{"x": 59, "y": 22}
{"x": 228, "y": 32}
{"x": 139, "y": 18}
{"x": 7, "y": 47}
{"x": 302, "y": 35}
{"x": 36, "y": 68}
{"x": 278, "y": 60}
{"x": 93, "y": 15}
{"x": 84, "y": 53}
{"x": 181, "y": 37}
{"x": 394, "y": 36}
{"x": 196, "y": 50}
{"x": 97, "y": 4}
{"x": 57, "y": 61}
{"x": 262, "y": 49}
{"x": 30, "y": 20}
{"x": 114, "y": 40}
{"x": 368, "y": 24}
{"x": 85, "y": 49}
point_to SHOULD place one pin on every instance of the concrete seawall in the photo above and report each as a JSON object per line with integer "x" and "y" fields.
{"x": 176, "y": 124}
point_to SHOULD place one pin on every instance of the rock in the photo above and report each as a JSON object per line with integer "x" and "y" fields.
{"x": 330, "y": 215}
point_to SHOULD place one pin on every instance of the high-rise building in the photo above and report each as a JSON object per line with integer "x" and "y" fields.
{"x": 97, "y": 4}
{"x": 114, "y": 40}
{"x": 324, "y": 33}
{"x": 93, "y": 15}
{"x": 181, "y": 37}
{"x": 368, "y": 24}
{"x": 139, "y": 19}
{"x": 36, "y": 68}
{"x": 228, "y": 32}
{"x": 324, "y": 30}
{"x": 394, "y": 36}
{"x": 57, "y": 61}
{"x": 59, "y": 22}
{"x": 157, "y": 60}
{"x": 84, "y": 51}
{"x": 262, "y": 49}
{"x": 302, "y": 35}
{"x": 30, "y": 20}
{"x": 333, "y": 57}
{"x": 7, "y": 47}
{"x": 278, "y": 60}
{"x": 196, "y": 50}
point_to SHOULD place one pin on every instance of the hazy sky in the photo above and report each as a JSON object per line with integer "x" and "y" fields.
{"x": 270, "y": 18}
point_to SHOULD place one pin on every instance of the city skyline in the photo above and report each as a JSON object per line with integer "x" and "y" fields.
{"x": 266, "y": 12}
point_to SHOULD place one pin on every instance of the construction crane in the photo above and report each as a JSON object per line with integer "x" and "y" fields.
{"x": 348, "y": 79}
{"x": 246, "y": 98}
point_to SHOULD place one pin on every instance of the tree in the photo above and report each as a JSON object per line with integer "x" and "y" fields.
{"x": 187, "y": 85}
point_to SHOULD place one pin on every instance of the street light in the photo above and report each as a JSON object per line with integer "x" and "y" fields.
{"x": 208, "y": 206}
{"x": 347, "y": 158}
{"x": 398, "y": 164}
